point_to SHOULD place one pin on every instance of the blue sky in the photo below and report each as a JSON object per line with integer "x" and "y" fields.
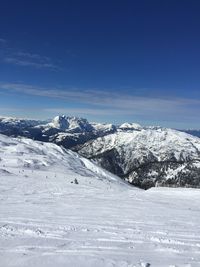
{"x": 108, "y": 61}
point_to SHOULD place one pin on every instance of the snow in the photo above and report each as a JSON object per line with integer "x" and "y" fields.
{"x": 99, "y": 127}
{"x": 59, "y": 122}
{"x": 47, "y": 221}
{"x": 130, "y": 126}
{"x": 138, "y": 146}
{"x": 64, "y": 123}
{"x": 19, "y": 122}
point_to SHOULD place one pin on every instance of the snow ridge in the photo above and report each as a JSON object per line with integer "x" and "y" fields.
{"x": 149, "y": 157}
{"x": 144, "y": 156}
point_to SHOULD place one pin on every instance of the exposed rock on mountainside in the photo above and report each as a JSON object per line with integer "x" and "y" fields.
{"x": 130, "y": 126}
{"x": 148, "y": 157}
{"x": 145, "y": 156}
{"x": 62, "y": 130}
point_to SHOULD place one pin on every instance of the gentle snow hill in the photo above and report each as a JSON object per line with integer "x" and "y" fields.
{"x": 26, "y": 154}
{"x": 148, "y": 157}
{"x": 48, "y": 220}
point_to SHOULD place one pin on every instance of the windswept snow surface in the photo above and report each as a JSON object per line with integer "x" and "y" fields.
{"x": 47, "y": 221}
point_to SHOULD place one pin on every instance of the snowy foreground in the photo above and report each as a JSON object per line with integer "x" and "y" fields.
{"x": 46, "y": 220}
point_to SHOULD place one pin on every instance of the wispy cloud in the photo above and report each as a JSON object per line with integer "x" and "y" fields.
{"x": 107, "y": 102}
{"x": 11, "y": 55}
{"x": 28, "y": 63}
{"x": 31, "y": 60}
{"x": 87, "y": 111}
{"x": 2, "y": 41}
{"x": 32, "y": 56}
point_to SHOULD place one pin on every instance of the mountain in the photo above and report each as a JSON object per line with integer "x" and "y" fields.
{"x": 70, "y": 124}
{"x": 19, "y": 127}
{"x": 144, "y": 156}
{"x": 59, "y": 209}
{"x": 62, "y": 130}
{"x": 130, "y": 126}
{"x": 149, "y": 157}
{"x": 72, "y": 131}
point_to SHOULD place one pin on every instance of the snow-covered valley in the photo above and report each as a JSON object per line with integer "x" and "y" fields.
{"x": 58, "y": 209}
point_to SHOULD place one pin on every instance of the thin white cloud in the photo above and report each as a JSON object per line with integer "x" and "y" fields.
{"x": 10, "y": 55}
{"x": 2, "y": 41}
{"x": 103, "y": 102}
{"x": 25, "y": 63}
{"x": 87, "y": 111}
{"x": 32, "y": 56}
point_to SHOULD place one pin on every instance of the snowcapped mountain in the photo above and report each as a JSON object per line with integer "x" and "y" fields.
{"x": 62, "y": 130}
{"x": 72, "y": 124}
{"x": 72, "y": 131}
{"x": 148, "y": 157}
{"x": 19, "y": 122}
{"x": 102, "y": 129}
{"x": 130, "y": 126}
{"x": 59, "y": 209}
{"x": 145, "y": 156}
{"x": 18, "y": 127}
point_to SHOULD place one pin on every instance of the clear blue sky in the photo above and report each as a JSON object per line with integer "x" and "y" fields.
{"x": 108, "y": 61}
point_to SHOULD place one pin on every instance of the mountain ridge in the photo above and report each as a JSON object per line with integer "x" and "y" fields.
{"x": 144, "y": 156}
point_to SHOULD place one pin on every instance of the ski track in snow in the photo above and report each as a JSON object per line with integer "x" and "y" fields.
{"x": 46, "y": 220}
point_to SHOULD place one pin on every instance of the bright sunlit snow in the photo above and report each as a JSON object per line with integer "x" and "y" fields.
{"x": 58, "y": 209}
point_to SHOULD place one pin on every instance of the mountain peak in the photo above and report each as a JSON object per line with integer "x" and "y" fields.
{"x": 130, "y": 126}
{"x": 60, "y": 122}
{"x": 64, "y": 123}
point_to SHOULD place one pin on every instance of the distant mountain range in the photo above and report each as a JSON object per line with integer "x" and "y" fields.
{"x": 62, "y": 130}
{"x": 144, "y": 156}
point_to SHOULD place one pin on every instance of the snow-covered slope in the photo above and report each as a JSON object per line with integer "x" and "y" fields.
{"x": 58, "y": 209}
{"x": 26, "y": 154}
{"x": 145, "y": 156}
{"x": 149, "y": 157}
{"x": 103, "y": 128}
